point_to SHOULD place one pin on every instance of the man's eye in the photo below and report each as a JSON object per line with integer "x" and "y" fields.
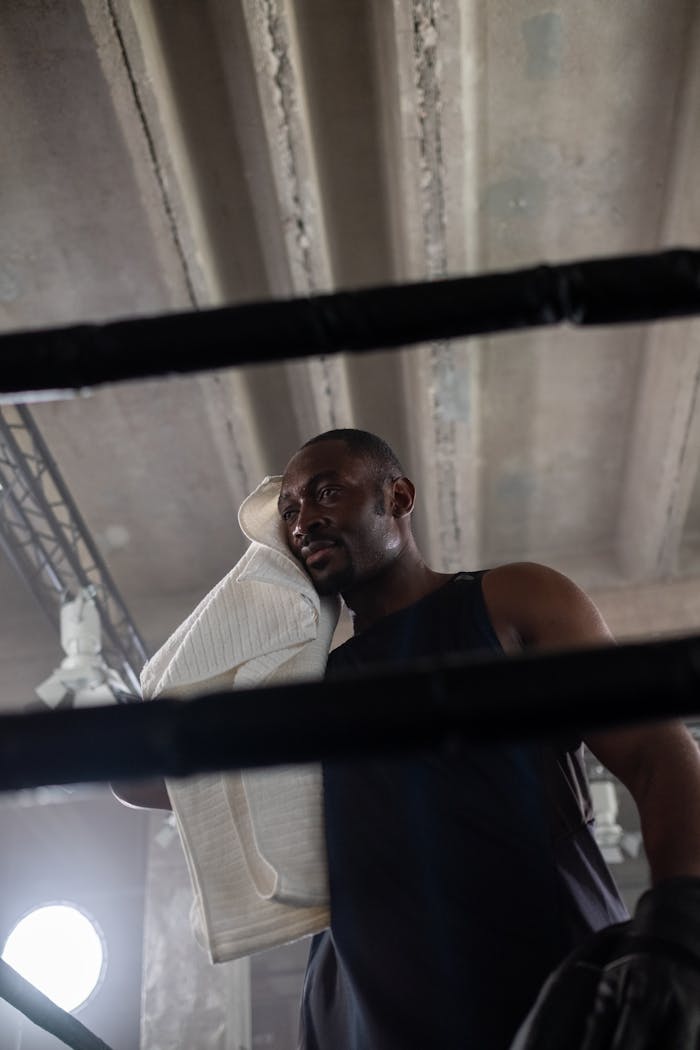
{"x": 288, "y": 514}
{"x": 329, "y": 490}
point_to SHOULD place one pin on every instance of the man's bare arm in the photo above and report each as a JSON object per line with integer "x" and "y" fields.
{"x": 537, "y": 607}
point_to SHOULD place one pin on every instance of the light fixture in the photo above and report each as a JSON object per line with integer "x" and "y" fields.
{"x": 61, "y": 951}
{"x": 83, "y": 678}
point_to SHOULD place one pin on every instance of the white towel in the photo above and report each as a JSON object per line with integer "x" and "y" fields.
{"x": 253, "y": 840}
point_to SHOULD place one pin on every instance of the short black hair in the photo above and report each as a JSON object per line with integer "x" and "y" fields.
{"x": 371, "y": 446}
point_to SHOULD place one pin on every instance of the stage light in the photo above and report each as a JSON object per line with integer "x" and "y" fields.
{"x": 60, "y": 950}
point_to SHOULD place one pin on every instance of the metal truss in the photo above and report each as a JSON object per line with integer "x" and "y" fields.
{"x": 43, "y": 535}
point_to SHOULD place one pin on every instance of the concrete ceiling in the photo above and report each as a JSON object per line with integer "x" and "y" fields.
{"x": 162, "y": 155}
{"x": 166, "y": 156}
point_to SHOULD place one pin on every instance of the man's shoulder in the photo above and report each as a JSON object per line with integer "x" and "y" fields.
{"x": 531, "y": 582}
{"x": 540, "y": 605}
{"x": 522, "y": 566}
{"x": 527, "y": 573}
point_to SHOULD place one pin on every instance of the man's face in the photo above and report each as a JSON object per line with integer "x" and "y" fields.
{"x": 337, "y": 520}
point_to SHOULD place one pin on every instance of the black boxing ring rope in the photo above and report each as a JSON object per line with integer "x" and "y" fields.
{"x": 606, "y": 291}
{"x": 440, "y": 705}
{"x": 407, "y": 708}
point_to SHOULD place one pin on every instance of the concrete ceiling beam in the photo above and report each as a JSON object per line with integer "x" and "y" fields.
{"x": 319, "y": 386}
{"x": 177, "y": 167}
{"x": 428, "y": 56}
{"x": 650, "y": 611}
{"x": 663, "y": 455}
{"x": 121, "y": 58}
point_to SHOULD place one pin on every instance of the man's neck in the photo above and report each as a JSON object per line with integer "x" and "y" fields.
{"x": 399, "y": 586}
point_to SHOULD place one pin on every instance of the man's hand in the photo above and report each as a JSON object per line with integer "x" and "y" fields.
{"x": 632, "y": 986}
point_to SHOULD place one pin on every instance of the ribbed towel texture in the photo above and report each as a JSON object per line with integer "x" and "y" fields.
{"x": 253, "y": 840}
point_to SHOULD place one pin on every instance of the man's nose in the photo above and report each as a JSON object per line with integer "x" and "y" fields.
{"x": 308, "y": 519}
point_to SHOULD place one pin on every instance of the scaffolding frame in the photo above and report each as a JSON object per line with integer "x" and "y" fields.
{"x": 44, "y": 537}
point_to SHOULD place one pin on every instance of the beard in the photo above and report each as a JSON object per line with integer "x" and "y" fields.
{"x": 333, "y": 582}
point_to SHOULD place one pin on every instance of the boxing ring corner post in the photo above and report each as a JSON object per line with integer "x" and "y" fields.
{"x": 44, "y": 1013}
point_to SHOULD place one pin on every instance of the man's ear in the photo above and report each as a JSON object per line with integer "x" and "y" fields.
{"x": 402, "y": 497}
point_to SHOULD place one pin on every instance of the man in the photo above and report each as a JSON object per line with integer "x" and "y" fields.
{"x": 459, "y": 882}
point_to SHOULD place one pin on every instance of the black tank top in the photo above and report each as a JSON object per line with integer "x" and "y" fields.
{"x": 457, "y": 882}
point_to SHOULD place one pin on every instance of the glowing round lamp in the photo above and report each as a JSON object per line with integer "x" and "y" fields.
{"x": 60, "y": 950}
